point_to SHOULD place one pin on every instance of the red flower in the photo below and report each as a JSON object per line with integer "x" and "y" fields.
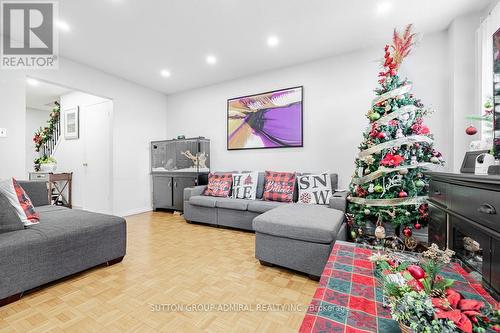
{"x": 392, "y": 160}
{"x": 463, "y": 312}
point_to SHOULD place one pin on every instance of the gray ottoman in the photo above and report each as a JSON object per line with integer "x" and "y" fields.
{"x": 298, "y": 236}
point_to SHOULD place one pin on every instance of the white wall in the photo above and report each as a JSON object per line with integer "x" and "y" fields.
{"x": 13, "y": 118}
{"x": 337, "y": 95}
{"x": 139, "y": 117}
{"x": 464, "y": 87}
{"x": 34, "y": 120}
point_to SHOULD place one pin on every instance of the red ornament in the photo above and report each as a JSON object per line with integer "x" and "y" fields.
{"x": 407, "y": 232}
{"x": 471, "y": 130}
{"x": 418, "y": 226}
{"x": 381, "y": 135}
{"x": 402, "y": 194}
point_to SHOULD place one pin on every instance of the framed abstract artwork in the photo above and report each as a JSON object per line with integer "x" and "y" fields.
{"x": 268, "y": 120}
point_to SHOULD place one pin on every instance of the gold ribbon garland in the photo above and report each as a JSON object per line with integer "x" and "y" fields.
{"x": 388, "y": 202}
{"x": 395, "y": 143}
{"x": 381, "y": 171}
{"x": 391, "y": 94}
{"x": 395, "y": 114}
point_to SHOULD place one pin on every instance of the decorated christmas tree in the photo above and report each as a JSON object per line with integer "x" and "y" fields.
{"x": 388, "y": 186}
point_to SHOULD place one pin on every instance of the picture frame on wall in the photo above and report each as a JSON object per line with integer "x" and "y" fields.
{"x": 72, "y": 123}
{"x": 272, "y": 119}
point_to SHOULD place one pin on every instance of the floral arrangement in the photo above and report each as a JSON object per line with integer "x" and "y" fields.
{"x": 44, "y": 135}
{"x": 424, "y": 301}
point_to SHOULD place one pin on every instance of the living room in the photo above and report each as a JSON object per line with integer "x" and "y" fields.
{"x": 173, "y": 169}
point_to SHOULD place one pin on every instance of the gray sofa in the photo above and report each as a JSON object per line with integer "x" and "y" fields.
{"x": 293, "y": 235}
{"x": 65, "y": 242}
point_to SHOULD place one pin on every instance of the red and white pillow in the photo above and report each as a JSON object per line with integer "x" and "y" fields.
{"x": 279, "y": 186}
{"x": 20, "y": 201}
{"x": 219, "y": 185}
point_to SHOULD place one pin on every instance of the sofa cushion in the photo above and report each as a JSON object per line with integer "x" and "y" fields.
{"x": 245, "y": 185}
{"x": 279, "y": 186}
{"x": 203, "y": 201}
{"x": 20, "y": 201}
{"x": 261, "y": 206}
{"x": 66, "y": 241}
{"x": 219, "y": 185}
{"x": 311, "y": 223}
{"x": 230, "y": 203}
{"x": 9, "y": 221}
{"x": 314, "y": 189}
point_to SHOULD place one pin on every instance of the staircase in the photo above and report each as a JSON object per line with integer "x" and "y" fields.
{"x": 48, "y": 148}
{"x": 47, "y": 138}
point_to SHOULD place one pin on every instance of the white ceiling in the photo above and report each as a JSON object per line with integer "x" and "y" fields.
{"x": 135, "y": 39}
{"x": 43, "y": 95}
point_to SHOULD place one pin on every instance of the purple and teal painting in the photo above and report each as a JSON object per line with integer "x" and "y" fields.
{"x": 268, "y": 120}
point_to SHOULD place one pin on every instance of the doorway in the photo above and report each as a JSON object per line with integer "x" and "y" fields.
{"x": 84, "y": 143}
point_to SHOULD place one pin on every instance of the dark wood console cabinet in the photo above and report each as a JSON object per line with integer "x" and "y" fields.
{"x": 465, "y": 217}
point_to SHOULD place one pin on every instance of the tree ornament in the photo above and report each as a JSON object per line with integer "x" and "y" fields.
{"x": 434, "y": 159}
{"x": 353, "y": 234}
{"x": 367, "y": 211}
{"x": 387, "y": 107}
{"x": 413, "y": 160}
{"x": 360, "y": 231}
{"x": 403, "y": 171}
{"x": 407, "y": 213}
{"x": 402, "y": 194}
{"x": 471, "y": 130}
{"x": 419, "y": 183}
{"x": 411, "y": 243}
{"x": 380, "y": 231}
{"x": 381, "y": 135}
{"x": 407, "y": 232}
{"x": 418, "y": 226}
{"x": 378, "y": 188}
{"x": 399, "y": 133}
{"x": 371, "y": 188}
{"x": 374, "y": 116}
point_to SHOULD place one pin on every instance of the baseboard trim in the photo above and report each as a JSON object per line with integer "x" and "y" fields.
{"x": 135, "y": 211}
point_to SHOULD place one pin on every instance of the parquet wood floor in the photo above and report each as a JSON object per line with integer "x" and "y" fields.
{"x": 168, "y": 261}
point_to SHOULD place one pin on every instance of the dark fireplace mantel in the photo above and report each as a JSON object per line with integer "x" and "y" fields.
{"x": 465, "y": 217}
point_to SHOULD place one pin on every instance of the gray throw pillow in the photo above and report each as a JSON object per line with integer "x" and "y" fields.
{"x": 9, "y": 221}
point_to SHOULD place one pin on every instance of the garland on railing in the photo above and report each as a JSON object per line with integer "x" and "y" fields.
{"x": 44, "y": 135}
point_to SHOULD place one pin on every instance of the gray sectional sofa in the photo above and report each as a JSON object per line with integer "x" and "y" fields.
{"x": 65, "y": 242}
{"x": 293, "y": 235}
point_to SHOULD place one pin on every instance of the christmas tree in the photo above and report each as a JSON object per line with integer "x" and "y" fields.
{"x": 389, "y": 185}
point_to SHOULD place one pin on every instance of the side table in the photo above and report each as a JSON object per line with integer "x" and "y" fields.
{"x": 58, "y": 184}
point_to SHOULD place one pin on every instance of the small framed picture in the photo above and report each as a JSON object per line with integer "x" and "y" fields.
{"x": 72, "y": 123}
{"x": 469, "y": 162}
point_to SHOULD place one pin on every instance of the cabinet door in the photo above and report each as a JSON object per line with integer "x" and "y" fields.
{"x": 180, "y": 183}
{"x": 162, "y": 192}
{"x": 437, "y": 226}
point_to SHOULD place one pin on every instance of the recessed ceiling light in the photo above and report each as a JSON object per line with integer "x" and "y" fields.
{"x": 383, "y": 7}
{"x": 211, "y": 59}
{"x": 61, "y": 25}
{"x": 32, "y": 82}
{"x": 273, "y": 41}
{"x": 165, "y": 73}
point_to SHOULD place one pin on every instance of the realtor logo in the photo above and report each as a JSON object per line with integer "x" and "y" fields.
{"x": 29, "y": 37}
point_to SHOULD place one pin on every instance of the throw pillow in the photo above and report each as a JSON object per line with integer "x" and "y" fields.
{"x": 9, "y": 221}
{"x": 245, "y": 185}
{"x": 279, "y": 186}
{"x": 21, "y": 202}
{"x": 219, "y": 185}
{"x": 314, "y": 189}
